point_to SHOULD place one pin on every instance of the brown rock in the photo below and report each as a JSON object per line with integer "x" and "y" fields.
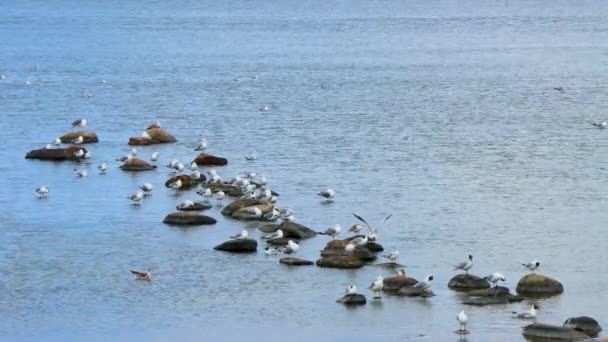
{"x": 536, "y": 285}
{"x": 352, "y": 299}
{"x": 296, "y": 230}
{"x": 238, "y": 246}
{"x": 187, "y": 181}
{"x": 88, "y": 137}
{"x": 157, "y": 136}
{"x": 239, "y": 204}
{"x": 584, "y": 324}
{"x": 394, "y": 284}
{"x": 547, "y": 332}
{"x": 295, "y": 261}
{"x": 55, "y": 154}
{"x": 205, "y": 159}
{"x": 242, "y": 214}
{"x": 341, "y": 261}
{"x": 188, "y": 218}
{"x": 137, "y": 165}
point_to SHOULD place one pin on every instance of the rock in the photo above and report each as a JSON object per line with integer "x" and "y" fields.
{"x": 228, "y": 189}
{"x": 296, "y": 230}
{"x": 240, "y": 204}
{"x": 394, "y": 284}
{"x": 493, "y": 300}
{"x": 547, "y": 332}
{"x": 371, "y": 245}
{"x": 157, "y": 136}
{"x": 336, "y": 248}
{"x": 55, "y": 154}
{"x": 198, "y": 206}
{"x": 467, "y": 282}
{"x": 242, "y": 213}
{"x": 187, "y": 181}
{"x": 391, "y": 265}
{"x": 281, "y": 241}
{"x": 268, "y": 228}
{"x": 340, "y": 261}
{"x": 88, "y": 137}
{"x": 205, "y": 159}
{"x": 137, "y": 165}
{"x": 584, "y": 324}
{"x": 188, "y": 218}
{"x": 409, "y": 291}
{"x": 295, "y": 261}
{"x": 536, "y": 285}
{"x": 141, "y": 141}
{"x": 238, "y": 246}
{"x": 352, "y": 299}
{"x": 490, "y": 292}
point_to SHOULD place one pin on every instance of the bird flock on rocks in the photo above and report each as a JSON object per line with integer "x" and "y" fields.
{"x": 255, "y": 187}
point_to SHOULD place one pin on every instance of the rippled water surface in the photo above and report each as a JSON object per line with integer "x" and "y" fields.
{"x": 440, "y": 112}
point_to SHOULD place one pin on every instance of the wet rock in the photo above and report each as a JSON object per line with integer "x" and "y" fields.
{"x": 243, "y": 214}
{"x": 240, "y": 204}
{"x": 493, "y": 300}
{"x": 188, "y": 218}
{"x": 228, "y": 189}
{"x": 336, "y": 248}
{"x": 187, "y": 181}
{"x": 238, "y": 246}
{"x": 547, "y": 332}
{"x": 295, "y": 261}
{"x": 198, "y": 206}
{"x": 137, "y": 165}
{"x": 55, "y": 154}
{"x": 87, "y": 137}
{"x": 394, "y": 284}
{"x": 282, "y": 241}
{"x": 391, "y": 265}
{"x": 371, "y": 245}
{"x": 268, "y": 228}
{"x": 490, "y": 292}
{"x": 467, "y": 282}
{"x": 352, "y": 299}
{"x": 536, "y": 285}
{"x": 157, "y": 136}
{"x": 296, "y": 230}
{"x": 340, "y": 261}
{"x": 205, "y": 159}
{"x": 584, "y": 324}
{"x": 409, "y": 291}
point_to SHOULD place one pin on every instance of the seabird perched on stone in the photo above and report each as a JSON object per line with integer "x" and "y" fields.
{"x": 79, "y": 123}
{"x": 465, "y": 265}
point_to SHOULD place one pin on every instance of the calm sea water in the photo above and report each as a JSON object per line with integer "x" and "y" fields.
{"x": 440, "y": 112}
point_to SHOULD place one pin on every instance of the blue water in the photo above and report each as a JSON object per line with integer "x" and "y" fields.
{"x": 440, "y": 112}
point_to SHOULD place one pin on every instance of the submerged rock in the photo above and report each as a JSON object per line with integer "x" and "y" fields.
{"x": 547, "y": 332}
{"x": 205, "y": 159}
{"x": 584, "y": 324}
{"x": 240, "y": 204}
{"x": 295, "y": 261}
{"x": 55, "y": 154}
{"x": 188, "y": 218}
{"x": 467, "y": 282}
{"x": 137, "y": 165}
{"x": 238, "y": 246}
{"x": 88, "y": 137}
{"x": 198, "y": 206}
{"x": 536, "y": 285}
{"x": 340, "y": 261}
{"x": 352, "y": 299}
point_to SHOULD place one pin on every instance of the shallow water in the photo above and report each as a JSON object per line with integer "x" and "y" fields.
{"x": 439, "y": 112}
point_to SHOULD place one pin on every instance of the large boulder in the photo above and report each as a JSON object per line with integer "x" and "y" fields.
{"x": 467, "y": 282}
{"x": 547, "y": 332}
{"x": 186, "y": 218}
{"x": 243, "y": 214}
{"x": 296, "y": 230}
{"x": 198, "y": 206}
{"x": 340, "y": 261}
{"x": 536, "y": 285}
{"x": 394, "y": 284}
{"x": 87, "y": 137}
{"x": 240, "y": 204}
{"x": 157, "y": 136}
{"x": 281, "y": 242}
{"x": 584, "y": 324}
{"x": 238, "y": 246}
{"x": 336, "y": 248}
{"x": 136, "y": 165}
{"x": 371, "y": 245}
{"x": 295, "y": 261}
{"x": 352, "y": 299}
{"x": 55, "y": 154}
{"x": 205, "y": 159}
{"x": 187, "y": 181}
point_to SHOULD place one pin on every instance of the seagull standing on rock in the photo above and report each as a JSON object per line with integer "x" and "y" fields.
{"x": 241, "y": 236}
{"x": 187, "y": 204}
{"x": 78, "y": 154}
{"x": 155, "y": 124}
{"x": 291, "y": 247}
{"x": 332, "y": 231}
{"x": 146, "y": 135}
{"x": 465, "y": 265}
{"x": 254, "y": 212}
{"x": 327, "y": 194}
{"x": 42, "y": 192}
{"x": 278, "y": 234}
{"x": 196, "y": 175}
{"x": 57, "y": 142}
{"x": 494, "y": 278}
{"x": 193, "y": 166}
{"x": 532, "y": 265}
{"x": 206, "y": 194}
{"x": 77, "y": 141}
{"x": 377, "y": 286}
{"x": 425, "y": 284}
{"x": 351, "y": 290}
{"x": 176, "y": 185}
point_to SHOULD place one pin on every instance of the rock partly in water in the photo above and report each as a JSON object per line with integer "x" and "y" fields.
{"x": 228, "y": 189}
{"x": 491, "y": 292}
{"x": 238, "y": 246}
{"x": 371, "y": 245}
{"x": 410, "y": 291}
{"x": 467, "y": 282}
{"x": 394, "y": 284}
{"x": 198, "y": 206}
{"x": 536, "y": 285}
{"x": 187, "y": 181}
{"x": 391, "y": 265}
{"x": 137, "y": 165}
{"x": 490, "y": 297}
{"x": 282, "y": 241}
{"x": 156, "y": 136}
{"x": 205, "y": 159}
{"x": 296, "y": 230}
{"x": 87, "y": 137}
{"x": 547, "y": 332}
{"x": 240, "y": 204}
{"x": 584, "y": 324}
{"x": 352, "y": 299}
{"x": 336, "y": 248}
{"x": 340, "y": 261}
{"x": 55, "y": 154}
{"x": 295, "y": 261}
{"x": 186, "y": 218}
{"x": 243, "y": 213}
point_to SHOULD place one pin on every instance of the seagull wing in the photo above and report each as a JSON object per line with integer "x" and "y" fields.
{"x": 362, "y": 220}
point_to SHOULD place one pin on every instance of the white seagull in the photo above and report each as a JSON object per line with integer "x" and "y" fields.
{"x": 146, "y": 135}
{"x": 278, "y": 234}
{"x": 137, "y": 197}
{"x": 42, "y": 192}
{"x": 134, "y": 151}
{"x": 193, "y": 166}
{"x": 241, "y": 236}
{"x": 219, "y": 197}
{"x": 360, "y": 241}
{"x": 187, "y": 204}
{"x": 465, "y": 265}
{"x": 176, "y": 185}
{"x": 425, "y": 284}
{"x": 147, "y": 188}
{"x": 332, "y": 231}
{"x": 87, "y": 155}
{"x": 392, "y": 256}
{"x": 155, "y": 124}
{"x": 77, "y": 141}
{"x": 81, "y": 173}
{"x": 79, "y": 123}
{"x": 79, "y": 154}
{"x": 291, "y": 247}
{"x": 600, "y": 125}
{"x": 356, "y": 228}
{"x": 154, "y": 156}
{"x": 373, "y": 231}
{"x": 351, "y": 290}
{"x": 206, "y": 194}
{"x": 57, "y": 142}
{"x": 462, "y": 319}
{"x": 103, "y": 168}
{"x": 202, "y": 145}
{"x": 196, "y": 175}
{"x": 532, "y": 265}
{"x": 263, "y": 180}
{"x": 494, "y": 278}
{"x": 327, "y": 194}
{"x": 254, "y": 212}
{"x": 531, "y": 314}
{"x": 350, "y": 248}
{"x": 377, "y": 286}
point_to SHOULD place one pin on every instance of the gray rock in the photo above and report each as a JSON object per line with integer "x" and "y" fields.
{"x": 238, "y": 246}
{"x": 198, "y": 206}
{"x": 340, "y": 261}
{"x": 409, "y": 291}
{"x": 187, "y": 218}
{"x": 239, "y": 204}
{"x": 536, "y": 285}
{"x": 295, "y": 261}
{"x": 493, "y": 300}
{"x": 352, "y": 299}
{"x": 547, "y": 332}
{"x": 467, "y": 282}
{"x": 584, "y": 324}
{"x": 296, "y": 230}
{"x": 281, "y": 241}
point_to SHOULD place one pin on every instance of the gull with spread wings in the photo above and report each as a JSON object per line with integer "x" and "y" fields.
{"x": 373, "y": 231}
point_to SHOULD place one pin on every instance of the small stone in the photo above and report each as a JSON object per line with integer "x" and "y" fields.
{"x": 238, "y": 246}
{"x": 584, "y": 324}
{"x": 188, "y": 218}
{"x": 295, "y": 261}
{"x": 352, "y": 299}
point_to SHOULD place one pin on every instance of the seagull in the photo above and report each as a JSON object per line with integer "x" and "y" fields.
{"x": 87, "y": 155}
{"x": 57, "y": 142}
{"x": 103, "y": 168}
{"x": 600, "y": 125}
{"x": 2, "y": 77}
{"x": 328, "y": 194}
{"x": 185, "y": 204}
{"x": 263, "y": 180}
{"x": 360, "y": 241}
{"x": 147, "y": 275}
{"x": 377, "y": 286}
{"x": 146, "y": 135}
{"x": 373, "y": 231}
{"x": 265, "y": 109}
{"x": 278, "y": 234}
{"x": 251, "y": 157}
{"x": 81, "y": 173}
{"x": 531, "y": 314}
{"x": 532, "y": 265}
{"x": 265, "y": 195}
{"x": 155, "y": 124}
{"x": 462, "y": 319}
{"x": 202, "y": 145}
{"x": 154, "y": 156}
{"x": 356, "y": 228}
{"x": 173, "y": 163}
{"x": 291, "y": 247}
{"x": 272, "y": 215}
{"x": 147, "y": 188}
{"x": 78, "y": 154}
{"x": 79, "y": 140}
{"x": 425, "y": 284}
{"x": 42, "y": 191}
{"x": 494, "y": 278}
{"x": 271, "y": 250}
{"x": 79, "y": 123}
{"x": 241, "y": 236}
{"x": 134, "y": 151}
{"x": 351, "y": 290}
{"x": 137, "y": 197}
{"x": 196, "y": 175}
{"x": 179, "y": 167}
{"x": 193, "y": 166}
{"x": 220, "y": 195}
{"x": 465, "y": 265}
{"x": 206, "y": 194}
{"x": 176, "y": 185}
{"x": 392, "y": 256}
{"x": 332, "y": 231}
{"x": 254, "y": 212}
{"x": 350, "y": 248}
{"x": 48, "y": 146}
